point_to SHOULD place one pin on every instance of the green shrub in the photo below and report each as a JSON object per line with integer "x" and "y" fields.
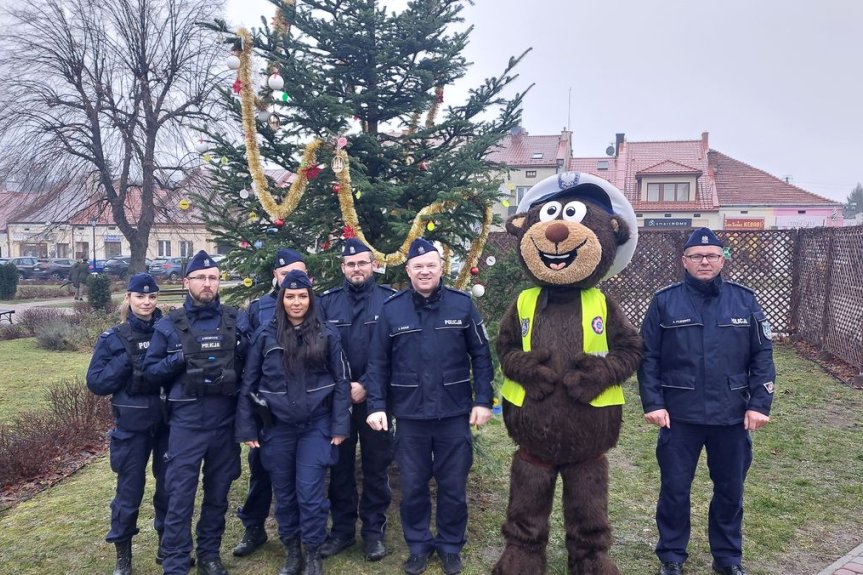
{"x": 89, "y": 324}
{"x": 99, "y": 292}
{"x": 34, "y": 318}
{"x": 8, "y": 281}
{"x": 13, "y": 331}
{"x": 57, "y": 336}
{"x": 40, "y": 291}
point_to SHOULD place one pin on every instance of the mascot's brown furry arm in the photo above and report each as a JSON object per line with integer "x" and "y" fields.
{"x": 564, "y": 349}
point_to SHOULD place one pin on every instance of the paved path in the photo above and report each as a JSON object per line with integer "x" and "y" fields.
{"x": 52, "y": 303}
{"x": 851, "y": 564}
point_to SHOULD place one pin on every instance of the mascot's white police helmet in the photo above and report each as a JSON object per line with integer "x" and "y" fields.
{"x": 567, "y": 182}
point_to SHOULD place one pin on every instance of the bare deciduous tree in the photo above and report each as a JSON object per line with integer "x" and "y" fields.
{"x": 100, "y": 94}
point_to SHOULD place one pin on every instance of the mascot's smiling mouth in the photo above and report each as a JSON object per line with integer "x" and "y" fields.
{"x": 558, "y": 262}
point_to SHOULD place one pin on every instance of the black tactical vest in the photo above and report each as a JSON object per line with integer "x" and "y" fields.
{"x": 209, "y": 354}
{"x": 136, "y": 344}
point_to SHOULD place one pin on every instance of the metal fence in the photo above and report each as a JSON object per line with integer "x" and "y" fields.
{"x": 809, "y": 281}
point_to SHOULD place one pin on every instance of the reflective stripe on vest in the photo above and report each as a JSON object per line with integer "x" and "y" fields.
{"x": 593, "y": 316}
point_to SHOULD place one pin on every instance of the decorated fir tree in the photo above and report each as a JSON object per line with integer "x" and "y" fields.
{"x": 346, "y": 131}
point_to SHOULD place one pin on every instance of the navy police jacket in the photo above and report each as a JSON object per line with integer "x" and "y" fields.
{"x": 708, "y": 356}
{"x": 165, "y": 363}
{"x": 295, "y": 398}
{"x": 262, "y": 310}
{"x": 424, "y": 353}
{"x": 354, "y": 312}
{"x": 136, "y": 408}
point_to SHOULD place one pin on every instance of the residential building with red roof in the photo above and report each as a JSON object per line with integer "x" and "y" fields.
{"x": 684, "y": 184}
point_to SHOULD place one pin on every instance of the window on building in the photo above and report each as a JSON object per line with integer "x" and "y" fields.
{"x": 801, "y": 211}
{"x": 520, "y": 191}
{"x": 164, "y": 248}
{"x": 113, "y": 249}
{"x": 62, "y": 250}
{"x": 82, "y": 250}
{"x": 536, "y": 156}
{"x": 668, "y": 192}
{"x": 530, "y": 173}
{"x": 186, "y": 249}
{"x": 602, "y": 165}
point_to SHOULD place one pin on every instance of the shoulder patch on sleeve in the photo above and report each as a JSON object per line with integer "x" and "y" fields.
{"x": 770, "y": 387}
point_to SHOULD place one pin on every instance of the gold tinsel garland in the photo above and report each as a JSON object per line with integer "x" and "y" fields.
{"x": 346, "y": 199}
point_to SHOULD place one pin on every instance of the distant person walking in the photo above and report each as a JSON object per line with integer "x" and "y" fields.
{"x": 78, "y": 275}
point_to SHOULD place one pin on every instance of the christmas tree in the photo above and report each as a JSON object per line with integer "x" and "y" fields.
{"x": 346, "y": 132}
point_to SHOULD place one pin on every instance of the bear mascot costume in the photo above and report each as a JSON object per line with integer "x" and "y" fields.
{"x": 565, "y": 349}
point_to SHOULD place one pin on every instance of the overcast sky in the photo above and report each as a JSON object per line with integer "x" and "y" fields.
{"x": 778, "y": 84}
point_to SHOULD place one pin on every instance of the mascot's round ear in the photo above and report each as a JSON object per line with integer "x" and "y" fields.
{"x": 621, "y": 230}
{"x": 515, "y": 224}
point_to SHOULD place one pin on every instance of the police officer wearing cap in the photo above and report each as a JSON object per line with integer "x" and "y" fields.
{"x": 707, "y": 381}
{"x": 429, "y": 343}
{"x": 354, "y": 308}
{"x": 197, "y": 352}
{"x": 296, "y": 379}
{"x": 256, "y": 508}
{"x": 139, "y": 431}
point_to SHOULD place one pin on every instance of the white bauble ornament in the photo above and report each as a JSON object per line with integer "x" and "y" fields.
{"x": 233, "y": 62}
{"x": 478, "y": 290}
{"x": 276, "y": 82}
{"x": 201, "y": 146}
{"x": 263, "y": 115}
{"x": 244, "y": 194}
{"x": 490, "y": 261}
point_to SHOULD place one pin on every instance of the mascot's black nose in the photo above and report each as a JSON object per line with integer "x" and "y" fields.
{"x": 556, "y": 232}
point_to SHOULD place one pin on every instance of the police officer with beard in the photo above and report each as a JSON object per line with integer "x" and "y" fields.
{"x": 139, "y": 431}
{"x": 354, "y": 309}
{"x": 256, "y": 508}
{"x": 197, "y": 353}
{"x": 707, "y": 381}
{"x": 428, "y": 343}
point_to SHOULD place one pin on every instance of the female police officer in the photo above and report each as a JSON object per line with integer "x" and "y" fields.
{"x": 297, "y": 367}
{"x": 139, "y": 430}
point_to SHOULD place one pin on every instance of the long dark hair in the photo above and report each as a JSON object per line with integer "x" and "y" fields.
{"x": 305, "y": 345}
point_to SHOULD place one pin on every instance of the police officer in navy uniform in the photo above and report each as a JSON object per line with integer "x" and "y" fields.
{"x": 139, "y": 431}
{"x": 296, "y": 380}
{"x": 256, "y": 508}
{"x": 354, "y": 309}
{"x": 428, "y": 343}
{"x": 197, "y": 352}
{"x": 707, "y": 381}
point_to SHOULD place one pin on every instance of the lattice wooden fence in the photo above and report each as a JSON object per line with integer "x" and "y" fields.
{"x": 809, "y": 282}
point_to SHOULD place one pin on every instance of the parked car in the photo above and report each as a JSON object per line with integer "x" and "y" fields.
{"x": 171, "y": 268}
{"x": 55, "y": 269}
{"x": 119, "y": 266}
{"x": 25, "y": 266}
{"x": 97, "y": 266}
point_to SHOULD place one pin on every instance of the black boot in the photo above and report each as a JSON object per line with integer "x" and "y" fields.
{"x": 253, "y": 537}
{"x": 314, "y": 561}
{"x": 294, "y": 560}
{"x": 124, "y": 557}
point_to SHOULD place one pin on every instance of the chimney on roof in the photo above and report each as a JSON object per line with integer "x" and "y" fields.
{"x": 517, "y": 131}
{"x": 704, "y": 144}
{"x": 618, "y": 141}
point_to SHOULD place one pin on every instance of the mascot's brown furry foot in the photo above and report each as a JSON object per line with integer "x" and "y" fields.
{"x": 565, "y": 349}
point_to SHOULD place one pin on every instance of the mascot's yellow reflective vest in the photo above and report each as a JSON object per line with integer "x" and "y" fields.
{"x": 593, "y": 316}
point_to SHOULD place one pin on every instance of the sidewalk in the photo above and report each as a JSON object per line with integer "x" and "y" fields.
{"x": 851, "y": 564}
{"x": 52, "y": 303}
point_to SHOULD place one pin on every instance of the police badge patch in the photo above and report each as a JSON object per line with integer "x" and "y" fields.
{"x": 566, "y": 180}
{"x": 769, "y": 387}
{"x": 597, "y": 326}
{"x": 766, "y": 330}
{"x": 525, "y": 325}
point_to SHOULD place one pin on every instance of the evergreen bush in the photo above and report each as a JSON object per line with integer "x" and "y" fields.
{"x": 99, "y": 292}
{"x": 8, "y": 281}
{"x": 57, "y": 336}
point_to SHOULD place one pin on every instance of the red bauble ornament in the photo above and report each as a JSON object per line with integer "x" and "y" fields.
{"x": 326, "y": 245}
{"x": 424, "y": 166}
{"x": 279, "y": 222}
{"x": 337, "y": 188}
{"x": 474, "y": 271}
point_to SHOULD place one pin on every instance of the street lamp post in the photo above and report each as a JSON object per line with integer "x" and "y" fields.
{"x": 93, "y": 224}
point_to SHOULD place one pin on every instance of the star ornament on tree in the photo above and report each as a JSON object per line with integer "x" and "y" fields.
{"x": 348, "y": 232}
{"x": 237, "y": 86}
